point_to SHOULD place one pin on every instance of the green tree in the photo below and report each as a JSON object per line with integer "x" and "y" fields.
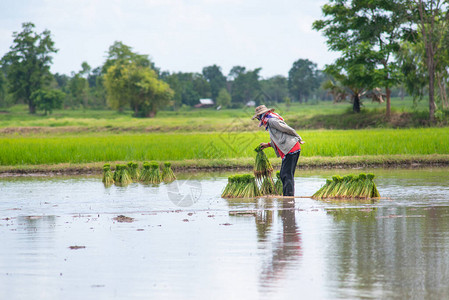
{"x": 353, "y": 73}
{"x": 3, "y": 101}
{"x": 432, "y": 20}
{"x": 47, "y": 100}
{"x": 246, "y": 84}
{"x": 120, "y": 53}
{"x": 275, "y": 87}
{"x": 224, "y": 98}
{"x": 215, "y": 78}
{"x": 138, "y": 87}
{"x": 188, "y": 87}
{"x": 27, "y": 64}
{"x": 78, "y": 86}
{"x": 376, "y": 23}
{"x": 302, "y": 79}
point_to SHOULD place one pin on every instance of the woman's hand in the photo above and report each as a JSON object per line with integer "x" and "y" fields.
{"x": 264, "y": 145}
{"x": 302, "y": 142}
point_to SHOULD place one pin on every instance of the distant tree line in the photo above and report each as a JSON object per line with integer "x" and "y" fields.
{"x": 129, "y": 80}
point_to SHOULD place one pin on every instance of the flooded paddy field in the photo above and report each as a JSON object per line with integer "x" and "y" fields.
{"x": 70, "y": 237}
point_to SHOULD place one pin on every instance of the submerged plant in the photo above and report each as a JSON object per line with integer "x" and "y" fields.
{"x": 167, "y": 173}
{"x": 108, "y": 176}
{"x": 262, "y": 166}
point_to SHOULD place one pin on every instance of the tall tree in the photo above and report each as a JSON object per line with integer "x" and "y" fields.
{"x": 353, "y": 73}
{"x": 27, "y": 64}
{"x": 302, "y": 79}
{"x": 47, "y": 100}
{"x": 136, "y": 86}
{"x": 379, "y": 23}
{"x": 215, "y": 78}
{"x": 275, "y": 87}
{"x": 246, "y": 85}
{"x": 432, "y": 22}
{"x": 119, "y": 53}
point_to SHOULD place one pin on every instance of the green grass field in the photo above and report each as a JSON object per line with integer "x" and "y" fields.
{"x": 84, "y": 148}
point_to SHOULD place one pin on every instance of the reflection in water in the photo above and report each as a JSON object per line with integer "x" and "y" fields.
{"x": 285, "y": 248}
{"x": 282, "y": 248}
{"x": 387, "y": 248}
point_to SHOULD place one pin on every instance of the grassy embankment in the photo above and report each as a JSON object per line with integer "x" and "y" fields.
{"x": 372, "y": 147}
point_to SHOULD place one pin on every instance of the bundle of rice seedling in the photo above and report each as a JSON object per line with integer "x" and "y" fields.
{"x": 343, "y": 185}
{"x": 262, "y": 166}
{"x": 321, "y": 192}
{"x": 117, "y": 173}
{"x": 278, "y": 188}
{"x": 229, "y": 189}
{"x": 349, "y": 186}
{"x": 155, "y": 175}
{"x": 248, "y": 187}
{"x": 167, "y": 173}
{"x": 145, "y": 175}
{"x": 133, "y": 170}
{"x": 125, "y": 178}
{"x": 121, "y": 175}
{"x": 108, "y": 176}
{"x": 267, "y": 186}
{"x": 374, "y": 191}
{"x": 332, "y": 187}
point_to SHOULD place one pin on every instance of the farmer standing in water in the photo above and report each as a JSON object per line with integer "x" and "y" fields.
{"x": 285, "y": 142}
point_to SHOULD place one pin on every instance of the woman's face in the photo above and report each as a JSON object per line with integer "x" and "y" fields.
{"x": 259, "y": 117}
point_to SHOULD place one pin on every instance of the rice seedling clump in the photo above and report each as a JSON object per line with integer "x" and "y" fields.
{"x": 155, "y": 175}
{"x": 241, "y": 186}
{"x": 108, "y": 176}
{"x": 133, "y": 169}
{"x": 262, "y": 166}
{"x": 350, "y": 186}
{"x": 121, "y": 175}
{"x": 167, "y": 173}
{"x": 278, "y": 187}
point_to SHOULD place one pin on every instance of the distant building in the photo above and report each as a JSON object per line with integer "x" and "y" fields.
{"x": 251, "y": 103}
{"x": 205, "y": 103}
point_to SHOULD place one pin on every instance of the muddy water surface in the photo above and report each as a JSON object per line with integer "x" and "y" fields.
{"x": 71, "y": 238}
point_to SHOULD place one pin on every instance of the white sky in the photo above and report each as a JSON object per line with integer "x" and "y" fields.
{"x": 178, "y": 35}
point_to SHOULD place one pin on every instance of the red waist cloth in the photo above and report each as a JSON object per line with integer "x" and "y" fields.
{"x": 295, "y": 148}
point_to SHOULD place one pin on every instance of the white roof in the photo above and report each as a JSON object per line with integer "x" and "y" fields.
{"x": 206, "y": 101}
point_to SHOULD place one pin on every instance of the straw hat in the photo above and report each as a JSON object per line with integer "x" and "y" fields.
{"x": 261, "y": 109}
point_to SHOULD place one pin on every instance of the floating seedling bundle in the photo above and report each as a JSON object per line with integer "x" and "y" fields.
{"x": 108, "y": 176}
{"x": 167, "y": 173}
{"x": 241, "y": 186}
{"x": 350, "y": 186}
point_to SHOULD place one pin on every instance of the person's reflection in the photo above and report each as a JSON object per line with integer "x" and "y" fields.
{"x": 286, "y": 247}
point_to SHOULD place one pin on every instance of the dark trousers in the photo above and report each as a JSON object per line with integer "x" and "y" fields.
{"x": 288, "y": 173}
